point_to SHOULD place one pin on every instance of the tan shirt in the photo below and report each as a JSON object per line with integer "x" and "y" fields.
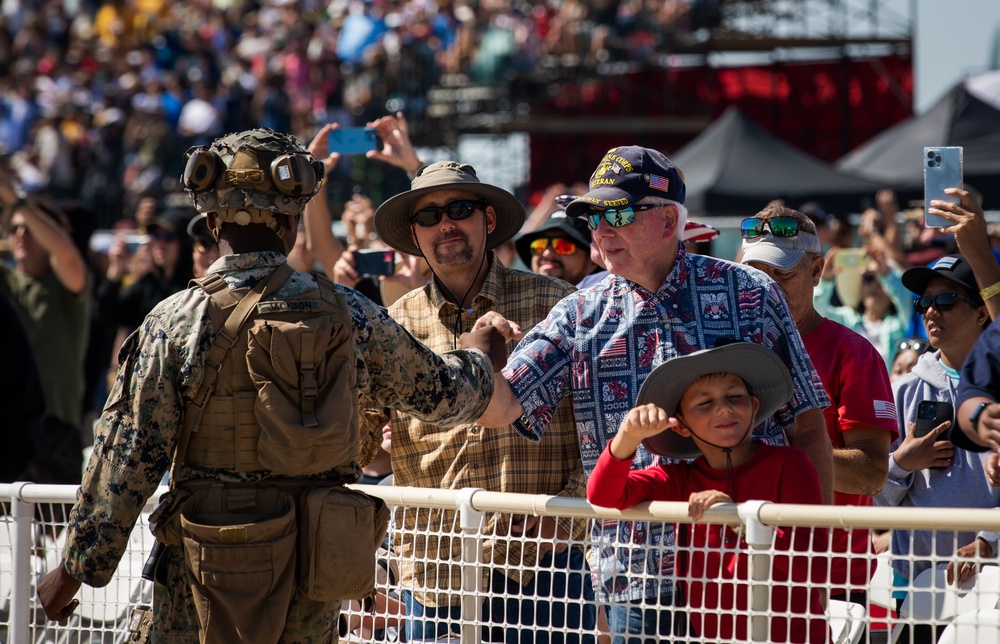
{"x": 497, "y": 460}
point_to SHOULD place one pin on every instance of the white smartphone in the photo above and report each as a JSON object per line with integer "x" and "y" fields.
{"x": 942, "y": 169}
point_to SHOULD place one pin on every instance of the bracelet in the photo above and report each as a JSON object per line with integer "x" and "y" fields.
{"x": 990, "y": 291}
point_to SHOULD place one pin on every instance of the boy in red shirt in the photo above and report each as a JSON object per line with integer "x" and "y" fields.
{"x": 705, "y": 405}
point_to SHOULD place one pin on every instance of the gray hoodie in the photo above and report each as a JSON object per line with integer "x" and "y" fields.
{"x": 962, "y": 485}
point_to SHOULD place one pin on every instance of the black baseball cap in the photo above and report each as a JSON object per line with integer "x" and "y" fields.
{"x": 628, "y": 174}
{"x": 572, "y": 228}
{"x": 953, "y": 268}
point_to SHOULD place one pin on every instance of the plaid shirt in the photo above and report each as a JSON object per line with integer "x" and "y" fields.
{"x": 498, "y": 460}
{"x": 601, "y": 343}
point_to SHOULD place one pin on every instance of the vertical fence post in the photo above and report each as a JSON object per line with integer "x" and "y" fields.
{"x": 758, "y": 538}
{"x": 21, "y": 543}
{"x": 470, "y": 521}
{"x": 472, "y": 575}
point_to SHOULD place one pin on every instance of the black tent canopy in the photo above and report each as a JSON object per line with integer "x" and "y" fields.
{"x": 968, "y": 116}
{"x": 736, "y": 167}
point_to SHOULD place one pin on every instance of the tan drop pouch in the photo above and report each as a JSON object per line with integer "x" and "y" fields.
{"x": 340, "y": 531}
{"x": 239, "y": 549}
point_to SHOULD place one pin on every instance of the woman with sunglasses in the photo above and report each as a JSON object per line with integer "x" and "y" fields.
{"x": 931, "y": 470}
{"x": 885, "y": 308}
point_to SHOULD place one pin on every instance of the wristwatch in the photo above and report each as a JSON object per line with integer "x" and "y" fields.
{"x": 977, "y": 412}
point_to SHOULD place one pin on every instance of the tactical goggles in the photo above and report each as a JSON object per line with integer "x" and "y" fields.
{"x": 752, "y": 227}
{"x": 617, "y": 217}
{"x": 560, "y": 245}
{"x": 456, "y": 211}
{"x": 942, "y": 302}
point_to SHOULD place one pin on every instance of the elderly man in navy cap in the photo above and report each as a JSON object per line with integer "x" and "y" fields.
{"x": 598, "y": 345}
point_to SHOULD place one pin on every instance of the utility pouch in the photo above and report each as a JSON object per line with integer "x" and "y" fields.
{"x": 140, "y": 624}
{"x": 165, "y": 521}
{"x": 239, "y": 550}
{"x": 340, "y": 531}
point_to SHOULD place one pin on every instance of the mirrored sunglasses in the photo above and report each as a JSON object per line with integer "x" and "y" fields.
{"x": 752, "y": 228}
{"x": 915, "y": 344}
{"x": 560, "y": 245}
{"x": 456, "y": 211}
{"x": 617, "y": 217}
{"x": 942, "y": 302}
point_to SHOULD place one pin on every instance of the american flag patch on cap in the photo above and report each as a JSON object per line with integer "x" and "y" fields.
{"x": 885, "y": 409}
{"x": 658, "y": 182}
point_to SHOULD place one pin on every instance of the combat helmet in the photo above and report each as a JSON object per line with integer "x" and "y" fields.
{"x": 247, "y": 176}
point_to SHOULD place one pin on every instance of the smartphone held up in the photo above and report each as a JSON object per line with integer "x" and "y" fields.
{"x": 351, "y": 140}
{"x": 942, "y": 169}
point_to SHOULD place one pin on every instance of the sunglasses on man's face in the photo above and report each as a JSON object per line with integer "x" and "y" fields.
{"x": 560, "y": 245}
{"x": 617, "y": 217}
{"x": 456, "y": 211}
{"x": 752, "y": 227}
{"x": 914, "y": 344}
{"x": 942, "y": 302}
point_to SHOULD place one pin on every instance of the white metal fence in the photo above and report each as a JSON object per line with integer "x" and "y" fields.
{"x": 31, "y": 536}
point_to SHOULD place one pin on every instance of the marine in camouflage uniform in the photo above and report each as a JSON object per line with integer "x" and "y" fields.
{"x": 163, "y": 364}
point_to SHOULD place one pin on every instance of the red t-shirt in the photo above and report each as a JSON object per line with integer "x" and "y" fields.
{"x": 712, "y": 561}
{"x": 857, "y": 383}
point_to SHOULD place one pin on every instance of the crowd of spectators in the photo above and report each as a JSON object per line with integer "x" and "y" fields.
{"x": 98, "y": 100}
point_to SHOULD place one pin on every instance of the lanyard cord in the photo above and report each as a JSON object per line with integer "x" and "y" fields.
{"x": 730, "y": 476}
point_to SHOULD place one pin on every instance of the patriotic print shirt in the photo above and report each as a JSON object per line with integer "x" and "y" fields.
{"x": 599, "y": 344}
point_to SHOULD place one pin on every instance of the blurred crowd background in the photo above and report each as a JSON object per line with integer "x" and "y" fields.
{"x": 99, "y": 100}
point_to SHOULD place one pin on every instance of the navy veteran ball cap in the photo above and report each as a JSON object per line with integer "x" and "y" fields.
{"x": 627, "y": 175}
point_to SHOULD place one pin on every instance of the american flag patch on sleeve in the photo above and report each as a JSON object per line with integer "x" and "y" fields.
{"x": 884, "y": 409}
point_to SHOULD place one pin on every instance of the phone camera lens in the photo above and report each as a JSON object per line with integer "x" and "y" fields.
{"x": 937, "y": 159}
{"x": 930, "y": 154}
{"x": 930, "y": 164}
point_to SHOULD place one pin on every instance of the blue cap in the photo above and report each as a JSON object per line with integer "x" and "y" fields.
{"x": 627, "y": 175}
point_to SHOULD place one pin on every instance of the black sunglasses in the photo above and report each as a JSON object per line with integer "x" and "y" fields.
{"x": 456, "y": 211}
{"x": 916, "y": 344}
{"x": 942, "y": 302}
{"x": 752, "y": 227}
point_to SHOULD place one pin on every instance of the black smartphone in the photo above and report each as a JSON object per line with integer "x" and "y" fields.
{"x": 375, "y": 261}
{"x": 351, "y": 140}
{"x": 930, "y": 414}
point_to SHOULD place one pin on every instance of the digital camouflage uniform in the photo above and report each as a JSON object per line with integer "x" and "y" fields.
{"x": 162, "y": 367}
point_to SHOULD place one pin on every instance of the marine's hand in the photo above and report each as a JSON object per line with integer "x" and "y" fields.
{"x": 489, "y": 340}
{"x": 915, "y": 454}
{"x": 56, "y": 591}
{"x": 509, "y": 330}
{"x": 701, "y": 501}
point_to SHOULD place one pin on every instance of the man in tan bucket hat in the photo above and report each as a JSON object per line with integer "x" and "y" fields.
{"x": 455, "y": 221}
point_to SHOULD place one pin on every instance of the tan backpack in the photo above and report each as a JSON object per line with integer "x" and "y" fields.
{"x": 284, "y": 396}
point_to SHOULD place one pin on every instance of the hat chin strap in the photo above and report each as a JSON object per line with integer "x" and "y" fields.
{"x": 730, "y": 478}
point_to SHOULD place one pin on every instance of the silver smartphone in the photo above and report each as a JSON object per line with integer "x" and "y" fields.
{"x": 942, "y": 169}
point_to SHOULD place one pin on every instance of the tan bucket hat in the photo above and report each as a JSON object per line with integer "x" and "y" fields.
{"x": 392, "y": 219}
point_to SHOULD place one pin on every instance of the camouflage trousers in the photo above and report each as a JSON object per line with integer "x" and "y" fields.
{"x": 175, "y": 618}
